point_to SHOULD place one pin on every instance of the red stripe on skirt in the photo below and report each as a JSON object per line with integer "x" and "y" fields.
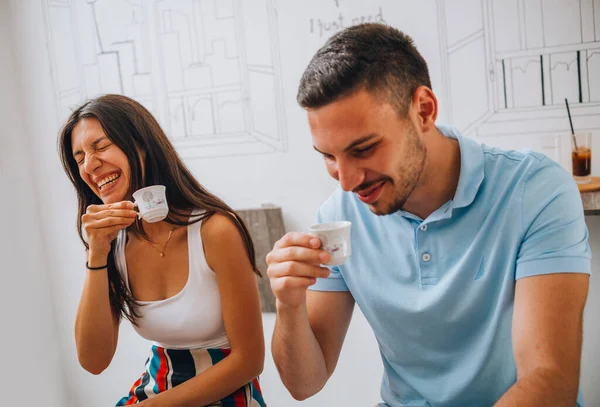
{"x": 239, "y": 397}
{"x": 133, "y": 399}
{"x": 161, "y": 374}
{"x": 257, "y": 386}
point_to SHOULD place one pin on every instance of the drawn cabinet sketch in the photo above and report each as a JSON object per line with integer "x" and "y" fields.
{"x": 212, "y": 82}
{"x": 510, "y": 64}
{"x": 465, "y": 58}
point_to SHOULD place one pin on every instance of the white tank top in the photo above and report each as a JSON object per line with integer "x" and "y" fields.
{"x": 193, "y": 317}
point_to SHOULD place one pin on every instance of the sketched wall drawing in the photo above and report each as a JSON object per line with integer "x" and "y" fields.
{"x": 212, "y": 82}
{"x": 511, "y": 63}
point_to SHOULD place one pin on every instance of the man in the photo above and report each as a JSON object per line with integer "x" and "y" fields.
{"x": 470, "y": 263}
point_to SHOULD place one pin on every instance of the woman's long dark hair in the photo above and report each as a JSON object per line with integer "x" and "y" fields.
{"x": 137, "y": 133}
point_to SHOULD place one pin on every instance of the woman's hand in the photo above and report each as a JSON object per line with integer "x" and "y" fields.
{"x": 102, "y": 223}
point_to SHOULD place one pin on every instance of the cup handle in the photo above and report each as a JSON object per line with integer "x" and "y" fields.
{"x": 136, "y": 207}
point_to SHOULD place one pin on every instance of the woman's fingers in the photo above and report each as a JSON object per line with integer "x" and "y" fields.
{"x": 109, "y": 213}
{"x": 117, "y": 205}
{"x": 91, "y": 224}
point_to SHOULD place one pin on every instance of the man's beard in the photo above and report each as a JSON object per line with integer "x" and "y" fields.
{"x": 414, "y": 173}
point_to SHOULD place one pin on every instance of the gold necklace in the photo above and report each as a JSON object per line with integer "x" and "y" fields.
{"x": 162, "y": 252}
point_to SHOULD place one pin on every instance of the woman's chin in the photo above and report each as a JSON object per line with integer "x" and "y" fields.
{"x": 111, "y": 198}
{"x": 115, "y": 191}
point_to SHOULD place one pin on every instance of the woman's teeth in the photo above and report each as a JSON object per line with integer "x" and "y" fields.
{"x": 108, "y": 180}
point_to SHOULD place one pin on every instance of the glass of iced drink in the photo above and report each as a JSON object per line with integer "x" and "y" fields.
{"x": 581, "y": 157}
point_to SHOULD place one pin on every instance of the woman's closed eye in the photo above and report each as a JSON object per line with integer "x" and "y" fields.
{"x": 80, "y": 158}
{"x": 103, "y": 148}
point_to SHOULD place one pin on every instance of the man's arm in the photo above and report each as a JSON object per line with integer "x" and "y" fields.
{"x": 547, "y": 336}
{"x": 308, "y": 339}
{"x": 310, "y": 326}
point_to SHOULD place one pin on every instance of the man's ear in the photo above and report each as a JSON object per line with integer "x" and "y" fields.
{"x": 425, "y": 105}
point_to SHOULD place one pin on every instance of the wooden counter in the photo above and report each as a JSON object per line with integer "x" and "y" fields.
{"x": 590, "y": 196}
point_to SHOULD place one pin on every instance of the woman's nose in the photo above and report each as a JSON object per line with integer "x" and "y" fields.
{"x": 91, "y": 163}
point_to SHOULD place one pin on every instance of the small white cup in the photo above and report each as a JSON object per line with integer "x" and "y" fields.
{"x": 151, "y": 203}
{"x": 335, "y": 239}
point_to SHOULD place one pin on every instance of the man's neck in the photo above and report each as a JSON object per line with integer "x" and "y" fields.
{"x": 440, "y": 176}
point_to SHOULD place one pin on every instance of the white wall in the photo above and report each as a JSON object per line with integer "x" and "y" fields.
{"x": 295, "y": 180}
{"x": 32, "y": 372}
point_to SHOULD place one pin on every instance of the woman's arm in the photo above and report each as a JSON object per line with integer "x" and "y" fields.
{"x": 96, "y": 325}
{"x": 226, "y": 255}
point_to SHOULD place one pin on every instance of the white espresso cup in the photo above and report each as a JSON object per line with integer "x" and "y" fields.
{"x": 151, "y": 203}
{"x": 335, "y": 239}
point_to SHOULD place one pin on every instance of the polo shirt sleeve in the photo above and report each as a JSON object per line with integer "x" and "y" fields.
{"x": 335, "y": 281}
{"x": 555, "y": 234}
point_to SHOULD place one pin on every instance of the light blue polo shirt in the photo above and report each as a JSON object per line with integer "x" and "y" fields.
{"x": 439, "y": 292}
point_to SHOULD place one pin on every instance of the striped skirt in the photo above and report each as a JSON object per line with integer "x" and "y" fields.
{"x": 168, "y": 368}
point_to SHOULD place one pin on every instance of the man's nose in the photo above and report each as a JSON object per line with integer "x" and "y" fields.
{"x": 349, "y": 175}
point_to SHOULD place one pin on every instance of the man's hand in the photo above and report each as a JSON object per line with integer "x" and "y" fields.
{"x": 293, "y": 265}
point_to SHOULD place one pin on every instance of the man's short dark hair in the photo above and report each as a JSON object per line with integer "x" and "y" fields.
{"x": 373, "y": 56}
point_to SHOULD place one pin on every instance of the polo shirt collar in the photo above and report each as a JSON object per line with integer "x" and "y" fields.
{"x": 471, "y": 167}
{"x": 469, "y": 180}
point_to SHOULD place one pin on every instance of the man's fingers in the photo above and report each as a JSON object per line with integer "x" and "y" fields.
{"x": 297, "y": 253}
{"x": 290, "y": 283}
{"x": 296, "y": 269}
{"x": 297, "y": 239}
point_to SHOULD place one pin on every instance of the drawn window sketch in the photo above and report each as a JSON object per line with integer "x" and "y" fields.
{"x": 510, "y": 64}
{"x": 212, "y": 82}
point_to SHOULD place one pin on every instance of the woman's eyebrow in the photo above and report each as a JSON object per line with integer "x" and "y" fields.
{"x": 94, "y": 144}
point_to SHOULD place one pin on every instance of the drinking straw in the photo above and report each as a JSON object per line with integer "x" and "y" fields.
{"x": 571, "y": 123}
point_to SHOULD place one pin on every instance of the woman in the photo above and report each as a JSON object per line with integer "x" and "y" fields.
{"x": 186, "y": 283}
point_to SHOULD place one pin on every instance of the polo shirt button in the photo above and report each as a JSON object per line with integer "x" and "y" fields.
{"x": 426, "y": 257}
{"x": 423, "y": 227}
